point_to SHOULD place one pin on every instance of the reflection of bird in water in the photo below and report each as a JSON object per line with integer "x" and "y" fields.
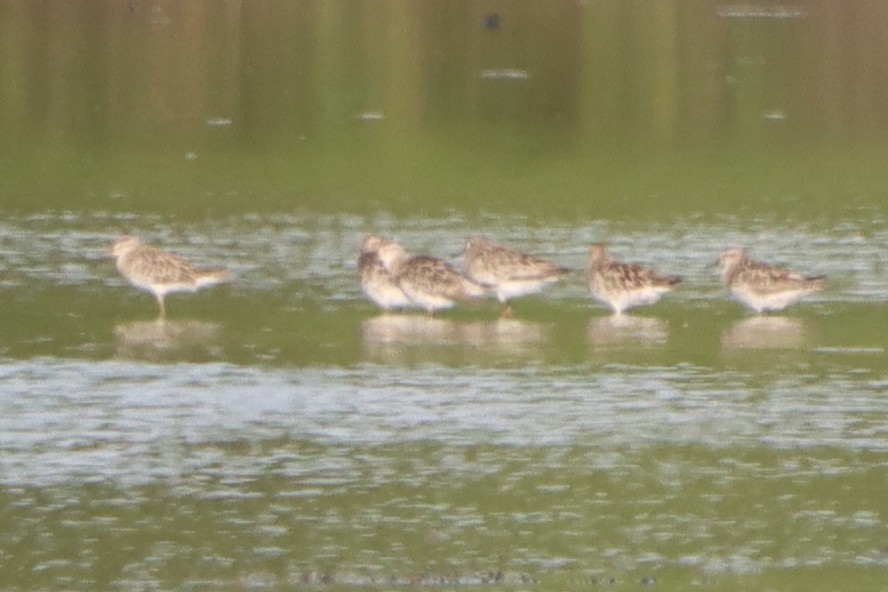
{"x": 399, "y": 337}
{"x": 620, "y": 329}
{"x": 507, "y": 335}
{"x": 428, "y": 282}
{"x": 407, "y": 329}
{"x": 376, "y": 282}
{"x": 623, "y": 285}
{"x": 164, "y": 339}
{"x": 765, "y": 332}
{"x": 160, "y": 272}
{"x": 508, "y": 272}
{"x": 763, "y": 287}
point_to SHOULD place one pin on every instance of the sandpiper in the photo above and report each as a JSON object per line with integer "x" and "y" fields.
{"x": 376, "y": 282}
{"x": 429, "y": 283}
{"x": 160, "y": 272}
{"x": 623, "y": 285}
{"x": 763, "y": 287}
{"x": 508, "y": 272}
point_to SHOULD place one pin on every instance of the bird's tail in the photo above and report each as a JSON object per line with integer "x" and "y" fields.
{"x": 208, "y": 277}
{"x": 472, "y": 290}
{"x": 817, "y": 282}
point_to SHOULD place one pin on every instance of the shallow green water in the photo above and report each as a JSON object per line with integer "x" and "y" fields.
{"x": 278, "y": 432}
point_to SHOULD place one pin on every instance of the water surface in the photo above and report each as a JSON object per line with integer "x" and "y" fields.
{"x": 278, "y": 432}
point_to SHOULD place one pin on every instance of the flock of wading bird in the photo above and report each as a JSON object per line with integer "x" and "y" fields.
{"x": 394, "y": 279}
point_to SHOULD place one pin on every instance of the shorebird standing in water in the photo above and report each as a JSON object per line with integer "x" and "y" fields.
{"x": 160, "y": 272}
{"x": 376, "y": 282}
{"x": 762, "y": 287}
{"x": 508, "y": 272}
{"x": 429, "y": 283}
{"x": 623, "y": 285}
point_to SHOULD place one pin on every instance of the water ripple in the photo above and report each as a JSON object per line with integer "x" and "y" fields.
{"x": 61, "y": 419}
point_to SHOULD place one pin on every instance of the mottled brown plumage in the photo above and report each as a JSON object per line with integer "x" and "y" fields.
{"x": 508, "y": 272}
{"x": 623, "y": 285}
{"x": 430, "y": 283}
{"x": 763, "y": 287}
{"x": 160, "y": 272}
